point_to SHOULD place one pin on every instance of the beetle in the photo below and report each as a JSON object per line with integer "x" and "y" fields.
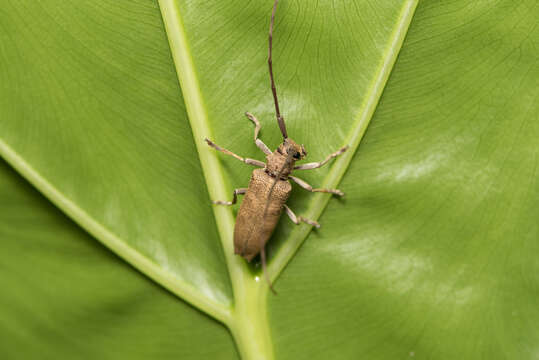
{"x": 269, "y": 187}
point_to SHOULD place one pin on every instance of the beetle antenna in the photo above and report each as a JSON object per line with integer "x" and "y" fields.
{"x": 280, "y": 119}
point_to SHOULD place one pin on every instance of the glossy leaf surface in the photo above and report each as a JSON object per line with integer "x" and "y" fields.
{"x": 430, "y": 255}
{"x": 67, "y": 297}
{"x": 434, "y": 253}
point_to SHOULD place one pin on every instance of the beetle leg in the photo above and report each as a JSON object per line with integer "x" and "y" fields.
{"x": 258, "y": 142}
{"x": 240, "y": 191}
{"x": 316, "y": 165}
{"x": 228, "y": 152}
{"x": 308, "y": 187}
{"x": 299, "y": 219}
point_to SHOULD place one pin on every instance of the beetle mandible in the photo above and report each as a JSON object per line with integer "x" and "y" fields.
{"x": 269, "y": 187}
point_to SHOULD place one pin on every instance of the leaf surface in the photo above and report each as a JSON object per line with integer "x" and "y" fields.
{"x": 434, "y": 253}
{"x": 92, "y": 114}
{"x": 67, "y": 297}
{"x": 431, "y": 252}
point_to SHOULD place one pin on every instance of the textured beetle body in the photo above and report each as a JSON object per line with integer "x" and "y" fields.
{"x": 269, "y": 188}
{"x": 268, "y": 191}
{"x": 264, "y": 200}
{"x": 253, "y": 229}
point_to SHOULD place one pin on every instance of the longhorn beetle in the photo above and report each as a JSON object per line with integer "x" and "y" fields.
{"x": 269, "y": 187}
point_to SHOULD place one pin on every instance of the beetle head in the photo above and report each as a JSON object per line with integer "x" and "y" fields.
{"x": 280, "y": 163}
{"x": 290, "y": 148}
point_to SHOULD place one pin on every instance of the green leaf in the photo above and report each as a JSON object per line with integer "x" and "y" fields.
{"x": 66, "y": 297}
{"x": 93, "y": 116}
{"x": 434, "y": 253}
{"x": 430, "y": 255}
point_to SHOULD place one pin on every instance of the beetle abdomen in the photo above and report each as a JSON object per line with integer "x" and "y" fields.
{"x": 253, "y": 229}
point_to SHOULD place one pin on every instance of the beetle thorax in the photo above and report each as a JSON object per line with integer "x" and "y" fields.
{"x": 281, "y": 162}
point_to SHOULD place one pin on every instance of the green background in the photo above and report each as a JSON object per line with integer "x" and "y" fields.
{"x": 431, "y": 255}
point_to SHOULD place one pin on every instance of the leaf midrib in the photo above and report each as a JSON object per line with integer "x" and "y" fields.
{"x": 366, "y": 111}
{"x": 198, "y": 119}
{"x": 107, "y": 237}
{"x": 214, "y": 174}
{"x": 211, "y": 167}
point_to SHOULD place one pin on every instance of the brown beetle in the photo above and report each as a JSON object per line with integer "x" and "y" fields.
{"x": 269, "y": 187}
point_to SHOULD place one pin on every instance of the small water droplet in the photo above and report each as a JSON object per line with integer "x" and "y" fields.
{"x": 257, "y": 278}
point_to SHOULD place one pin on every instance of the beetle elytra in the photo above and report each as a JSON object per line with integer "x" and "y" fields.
{"x": 269, "y": 187}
